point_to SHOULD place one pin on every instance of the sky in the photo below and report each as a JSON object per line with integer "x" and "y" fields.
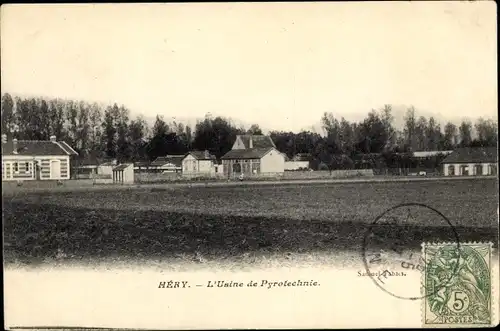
{"x": 280, "y": 65}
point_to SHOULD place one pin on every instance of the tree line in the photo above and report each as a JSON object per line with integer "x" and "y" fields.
{"x": 109, "y": 131}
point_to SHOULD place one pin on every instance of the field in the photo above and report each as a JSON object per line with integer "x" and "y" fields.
{"x": 230, "y": 223}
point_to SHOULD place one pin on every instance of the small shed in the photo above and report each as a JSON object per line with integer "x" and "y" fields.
{"x": 123, "y": 173}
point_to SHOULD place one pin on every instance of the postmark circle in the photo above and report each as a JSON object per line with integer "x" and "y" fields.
{"x": 391, "y": 248}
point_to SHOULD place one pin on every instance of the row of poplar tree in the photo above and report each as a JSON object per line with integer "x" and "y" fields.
{"x": 111, "y": 131}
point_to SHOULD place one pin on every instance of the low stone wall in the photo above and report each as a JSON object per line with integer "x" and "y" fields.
{"x": 102, "y": 181}
{"x": 252, "y": 177}
{"x": 323, "y": 174}
{"x": 156, "y": 177}
{"x": 207, "y": 175}
{"x": 290, "y": 175}
{"x": 144, "y": 178}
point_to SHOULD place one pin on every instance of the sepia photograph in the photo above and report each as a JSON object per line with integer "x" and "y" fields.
{"x": 250, "y": 165}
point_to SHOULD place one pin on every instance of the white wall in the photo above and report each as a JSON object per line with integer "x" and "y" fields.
{"x": 486, "y": 169}
{"x": 219, "y": 169}
{"x": 295, "y": 165}
{"x": 187, "y": 164}
{"x": 105, "y": 170}
{"x": 205, "y": 166}
{"x": 44, "y": 162}
{"x": 202, "y": 166}
{"x": 273, "y": 161}
{"x": 128, "y": 174}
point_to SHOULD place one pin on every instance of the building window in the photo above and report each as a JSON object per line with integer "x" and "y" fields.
{"x": 237, "y": 167}
{"x": 27, "y": 167}
{"x": 16, "y": 167}
{"x": 464, "y": 170}
{"x": 244, "y": 168}
{"x": 492, "y": 169}
{"x": 256, "y": 166}
{"x": 451, "y": 170}
{"x": 478, "y": 169}
{"x": 194, "y": 165}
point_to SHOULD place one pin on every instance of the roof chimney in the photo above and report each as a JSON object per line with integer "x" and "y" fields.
{"x": 4, "y": 138}
{"x": 250, "y": 142}
{"x": 14, "y": 145}
{"x": 207, "y": 154}
{"x": 53, "y": 139}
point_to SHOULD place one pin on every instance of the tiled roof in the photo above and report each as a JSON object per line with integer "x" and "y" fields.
{"x": 473, "y": 155}
{"x": 121, "y": 167}
{"x": 249, "y": 153}
{"x": 258, "y": 141}
{"x": 201, "y": 155}
{"x": 36, "y": 148}
{"x": 172, "y": 159}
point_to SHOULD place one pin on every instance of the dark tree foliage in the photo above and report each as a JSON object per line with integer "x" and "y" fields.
{"x": 373, "y": 142}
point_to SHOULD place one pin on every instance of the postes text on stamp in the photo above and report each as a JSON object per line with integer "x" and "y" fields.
{"x": 457, "y": 284}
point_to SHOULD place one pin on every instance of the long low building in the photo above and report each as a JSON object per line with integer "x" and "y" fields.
{"x": 471, "y": 161}
{"x": 168, "y": 163}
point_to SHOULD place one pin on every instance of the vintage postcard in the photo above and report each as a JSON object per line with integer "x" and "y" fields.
{"x": 250, "y": 165}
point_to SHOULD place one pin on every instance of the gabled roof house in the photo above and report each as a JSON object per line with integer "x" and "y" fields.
{"x": 36, "y": 159}
{"x": 253, "y": 155}
{"x": 199, "y": 163}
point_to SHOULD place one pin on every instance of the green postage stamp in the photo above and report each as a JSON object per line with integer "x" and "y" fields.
{"x": 457, "y": 284}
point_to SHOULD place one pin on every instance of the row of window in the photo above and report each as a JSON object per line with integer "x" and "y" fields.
{"x": 248, "y": 161}
{"x": 464, "y": 170}
{"x": 20, "y": 165}
{"x": 246, "y": 168}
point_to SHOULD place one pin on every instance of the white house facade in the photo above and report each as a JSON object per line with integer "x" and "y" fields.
{"x": 106, "y": 168}
{"x": 199, "y": 163}
{"x": 35, "y": 159}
